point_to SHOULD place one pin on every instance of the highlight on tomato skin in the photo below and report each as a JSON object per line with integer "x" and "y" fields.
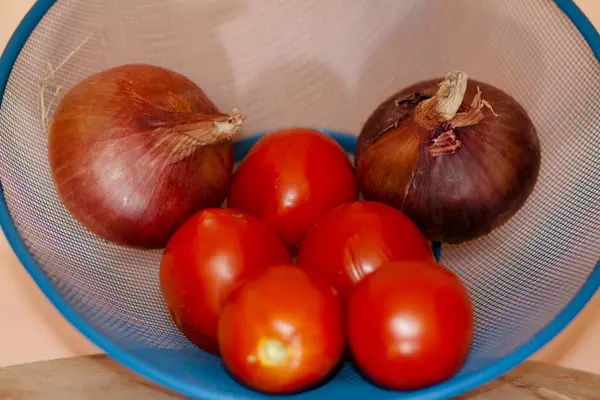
{"x": 282, "y": 331}
{"x": 290, "y": 178}
{"x": 356, "y": 238}
{"x": 206, "y": 258}
{"x": 410, "y": 325}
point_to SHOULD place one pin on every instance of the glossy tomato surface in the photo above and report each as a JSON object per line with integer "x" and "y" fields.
{"x": 353, "y": 240}
{"x": 282, "y": 331}
{"x": 290, "y": 178}
{"x": 203, "y": 261}
{"x": 410, "y": 325}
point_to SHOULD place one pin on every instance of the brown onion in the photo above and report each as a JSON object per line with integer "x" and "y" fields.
{"x": 137, "y": 149}
{"x": 457, "y": 156}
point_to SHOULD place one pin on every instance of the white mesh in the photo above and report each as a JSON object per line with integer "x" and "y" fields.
{"x": 324, "y": 64}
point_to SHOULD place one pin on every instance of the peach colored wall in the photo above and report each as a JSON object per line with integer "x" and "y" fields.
{"x": 31, "y": 329}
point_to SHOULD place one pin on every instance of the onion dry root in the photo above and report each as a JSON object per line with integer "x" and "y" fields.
{"x": 458, "y": 156}
{"x": 137, "y": 149}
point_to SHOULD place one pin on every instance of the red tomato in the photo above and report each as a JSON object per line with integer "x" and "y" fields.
{"x": 410, "y": 325}
{"x": 282, "y": 331}
{"x": 290, "y": 178}
{"x": 207, "y": 256}
{"x": 353, "y": 240}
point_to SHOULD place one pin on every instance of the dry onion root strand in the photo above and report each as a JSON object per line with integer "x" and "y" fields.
{"x": 45, "y": 109}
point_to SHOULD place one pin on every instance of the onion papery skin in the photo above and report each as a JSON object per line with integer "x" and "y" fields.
{"x": 132, "y": 154}
{"x": 454, "y": 197}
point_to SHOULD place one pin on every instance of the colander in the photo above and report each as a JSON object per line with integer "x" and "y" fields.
{"x": 324, "y": 64}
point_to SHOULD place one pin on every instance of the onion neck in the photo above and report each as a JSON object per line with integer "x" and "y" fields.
{"x": 439, "y": 114}
{"x": 210, "y": 129}
{"x": 180, "y": 136}
{"x": 445, "y": 104}
{"x": 450, "y": 95}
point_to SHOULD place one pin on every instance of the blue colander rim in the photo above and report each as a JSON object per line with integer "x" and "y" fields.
{"x": 447, "y": 389}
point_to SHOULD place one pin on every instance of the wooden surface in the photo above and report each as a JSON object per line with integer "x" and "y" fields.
{"x": 32, "y": 329}
{"x": 97, "y": 377}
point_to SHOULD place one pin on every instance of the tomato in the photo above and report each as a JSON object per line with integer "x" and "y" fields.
{"x": 410, "y": 325}
{"x": 282, "y": 331}
{"x": 205, "y": 259}
{"x": 290, "y": 178}
{"x": 353, "y": 240}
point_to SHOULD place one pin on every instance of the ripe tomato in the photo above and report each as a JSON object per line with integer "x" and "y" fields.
{"x": 207, "y": 256}
{"x": 353, "y": 240}
{"x": 290, "y": 178}
{"x": 282, "y": 331}
{"x": 410, "y": 325}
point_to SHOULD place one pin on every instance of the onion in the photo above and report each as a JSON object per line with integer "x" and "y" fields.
{"x": 137, "y": 149}
{"x": 457, "y": 169}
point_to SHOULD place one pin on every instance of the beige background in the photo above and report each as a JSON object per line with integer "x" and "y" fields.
{"x": 31, "y": 329}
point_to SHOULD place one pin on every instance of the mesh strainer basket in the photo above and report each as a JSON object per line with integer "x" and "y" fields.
{"x": 325, "y": 64}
